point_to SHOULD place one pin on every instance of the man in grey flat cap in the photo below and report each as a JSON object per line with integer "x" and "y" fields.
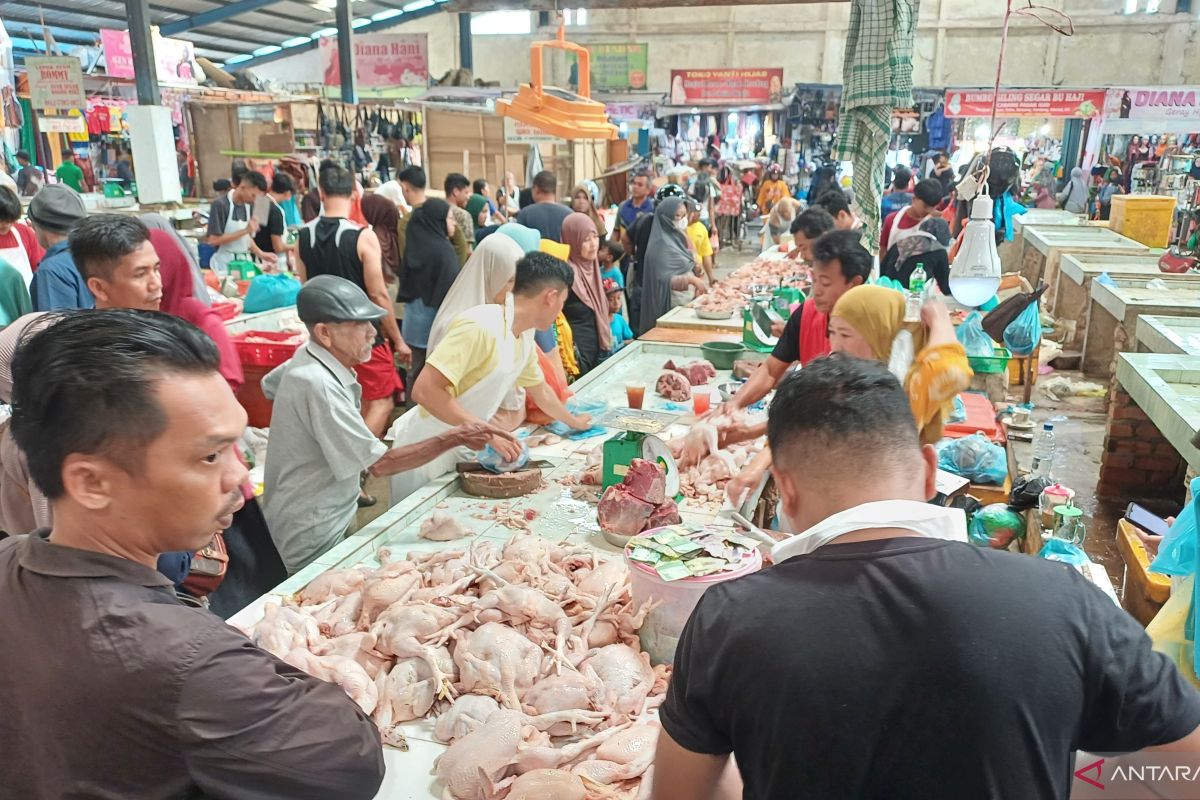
{"x": 57, "y": 284}
{"x": 319, "y": 442}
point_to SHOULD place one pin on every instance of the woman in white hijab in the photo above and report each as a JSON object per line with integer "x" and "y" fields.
{"x": 486, "y": 278}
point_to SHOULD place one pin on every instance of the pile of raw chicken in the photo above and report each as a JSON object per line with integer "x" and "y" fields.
{"x": 704, "y": 466}
{"x": 733, "y": 292}
{"x": 527, "y": 654}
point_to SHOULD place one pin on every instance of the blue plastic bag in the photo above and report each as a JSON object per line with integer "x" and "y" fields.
{"x": 974, "y": 339}
{"x": 1024, "y": 334}
{"x": 268, "y": 292}
{"x": 974, "y": 458}
{"x": 492, "y": 461}
{"x": 1067, "y": 553}
{"x": 1177, "y": 551}
{"x": 959, "y": 414}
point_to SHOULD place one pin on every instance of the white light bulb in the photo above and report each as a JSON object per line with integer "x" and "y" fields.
{"x": 975, "y": 273}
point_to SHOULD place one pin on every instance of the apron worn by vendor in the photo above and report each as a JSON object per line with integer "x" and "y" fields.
{"x": 19, "y": 257}
{"x": 482, "y": 400}
{"x": 898, "y": 234}
{"x": 219, "y": 262}
{"x": 923, "y": 519}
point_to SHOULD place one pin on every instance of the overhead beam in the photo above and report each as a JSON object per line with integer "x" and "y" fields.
{"x": 593, "y": 5}
{"x": 383, "y": 24}
{"x": 213, "y": 15}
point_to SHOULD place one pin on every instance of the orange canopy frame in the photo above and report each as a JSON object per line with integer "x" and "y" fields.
{"x": 557, "y": 111}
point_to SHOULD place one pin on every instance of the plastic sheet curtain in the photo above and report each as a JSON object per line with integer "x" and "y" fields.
{"x": 877, "y": 79}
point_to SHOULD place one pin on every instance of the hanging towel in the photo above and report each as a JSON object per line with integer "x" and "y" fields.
{"x": 877, "y": 78}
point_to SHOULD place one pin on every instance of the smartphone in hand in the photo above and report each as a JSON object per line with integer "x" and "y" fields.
{"x": 1147, "y": 521}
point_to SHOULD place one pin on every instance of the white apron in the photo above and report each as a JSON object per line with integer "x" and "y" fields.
{"x": 923, "y": 519}
{"x": 483, "y": 400}
{"x": 898, "y": 234}
{"x": 219, "y": 262}
{"x": 19, "y": 257}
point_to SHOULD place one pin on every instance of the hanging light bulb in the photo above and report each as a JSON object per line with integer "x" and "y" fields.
{"x": 975, "y": 274}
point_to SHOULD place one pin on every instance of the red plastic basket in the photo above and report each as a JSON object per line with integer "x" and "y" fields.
{"x": 262, "y": 354}
{"x": 226, "y": 311}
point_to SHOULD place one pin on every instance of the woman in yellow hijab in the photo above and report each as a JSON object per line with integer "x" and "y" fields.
{"x": 866, "y": 321}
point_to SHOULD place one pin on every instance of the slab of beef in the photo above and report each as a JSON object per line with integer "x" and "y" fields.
{"x": 665, "y": 514}
{"x": 697, "y": 372}
{"x": 621, "y": 513}
{"x": 646, "y": 481}
{"x": 674, "y": 386}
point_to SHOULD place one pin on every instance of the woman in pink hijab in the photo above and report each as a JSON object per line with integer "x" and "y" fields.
{"x": 178, "y": 300}
{"x": 586, "y": 308}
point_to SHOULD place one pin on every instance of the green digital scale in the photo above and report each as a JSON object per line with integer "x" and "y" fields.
{"x": 756, "y": 326}
{"x": 637, "y": 439}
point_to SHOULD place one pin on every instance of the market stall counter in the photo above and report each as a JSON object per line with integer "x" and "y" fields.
{"x": 1072, "y": 295}
{"x": 1114, "y": 311}
{"x": 1168, "y": 335}
{"x": 560, "y": 514}
{"x": 688, "y": 318}
{"x": 1043, "y": 247}
{"x": 1010, "y": 252}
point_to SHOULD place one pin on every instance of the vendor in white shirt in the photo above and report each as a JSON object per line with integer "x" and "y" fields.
{"x": 231, "y": 222}
{"x": 485, "y": 353}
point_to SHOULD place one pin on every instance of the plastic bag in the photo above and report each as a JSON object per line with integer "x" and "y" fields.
{"x": 1177, "y": 551}
{"x": 959, "y": 414}
{"x": 1024, "y": 333}
{"x": 1104, "y": 279}
{"x": 1157, "y": 284}
{"x": 973, "y": 338}
{"x": 492, "y": 461}
{"x": 902, "y": 355}
{"x": 268, "y": 292}
{"x": 1067, "y": 553}
{"x": 995, "y": 526}
{"x": 1173, "y": 630}
{"x": 974, "y": 458}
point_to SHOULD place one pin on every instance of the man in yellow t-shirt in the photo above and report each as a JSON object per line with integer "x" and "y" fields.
{"x": 697, "y": 231}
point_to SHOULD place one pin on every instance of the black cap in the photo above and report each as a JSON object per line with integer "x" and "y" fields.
{"x": 328, "y": 298}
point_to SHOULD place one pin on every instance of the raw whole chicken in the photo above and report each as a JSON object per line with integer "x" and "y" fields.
{"x": 379, "y": 594}
{"x": 626, "y": 755}
{"x": 401, "y": 631}
{"x": 497, "y": 661}
{"x": 327, "y": 585}
{"x": 625, "y": 674}
{"x": 547, "y": 784}
{"x": 340, "y": 615}
{"x": 345, "y": 672}
{"x": 407, "y": 692}
{"x": 358, "y": 646}
{"x": 441, "y": 527}
{"x": 674, "y": 387}
{"x": 284, "y": 629}
{"x": 465, "y": 714}
{"x": 473, "y": 767}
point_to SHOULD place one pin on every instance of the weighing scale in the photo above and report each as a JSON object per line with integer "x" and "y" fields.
{"x": 638, "y": 439}
{"x": 756, "y": 327}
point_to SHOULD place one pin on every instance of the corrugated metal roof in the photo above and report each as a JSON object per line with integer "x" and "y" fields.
{"x": 78, "y": 22}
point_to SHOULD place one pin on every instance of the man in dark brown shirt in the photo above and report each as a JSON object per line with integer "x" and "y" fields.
{"x": 110, "y": 687}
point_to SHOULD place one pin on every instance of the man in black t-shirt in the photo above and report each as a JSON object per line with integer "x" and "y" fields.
{"x": 269, "y": 240}
{"x": 883, "y": 656}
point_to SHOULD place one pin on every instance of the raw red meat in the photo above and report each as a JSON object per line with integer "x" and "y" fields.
{"x": 646, "y": 481}
{"x": 697, "y": 372}
{"x": 674, "y": 386}
{"x": 621, "y": 513}
{"x": 665, "y": 514}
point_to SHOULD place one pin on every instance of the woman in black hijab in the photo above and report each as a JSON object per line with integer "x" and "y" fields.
{"x": 430, "y": 267}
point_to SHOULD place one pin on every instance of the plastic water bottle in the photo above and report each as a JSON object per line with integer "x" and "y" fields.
{"x": 1043, "y": 452}
{"x": 916, "y": 292}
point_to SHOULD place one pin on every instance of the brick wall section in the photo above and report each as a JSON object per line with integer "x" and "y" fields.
{"x": 1138, "y": 461}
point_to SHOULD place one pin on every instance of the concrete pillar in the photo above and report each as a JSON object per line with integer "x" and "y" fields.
{"x": 153, "y": 143}
{"x": 345, "y": 42}
{"x": 1138, "y": 461}
{"x": 141, "y": 43}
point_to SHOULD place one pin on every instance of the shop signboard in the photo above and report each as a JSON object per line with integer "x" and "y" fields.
{"x": 1083, "y": 103}
{"x": 118, "y": 54}
{"x": 381, "y": 60}
{"x": 55, "y": 82}
{"x": 726, "y": 87}
{"x": 1154, "y": 103}
{"x": 615, "y": 67}
{"x": 517, "y": 132}
{"x": 61, "y": 124}
{"x": 174, "y": 59}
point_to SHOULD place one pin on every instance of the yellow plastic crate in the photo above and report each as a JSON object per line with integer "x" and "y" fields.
{"x": 1145, "y": 218}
